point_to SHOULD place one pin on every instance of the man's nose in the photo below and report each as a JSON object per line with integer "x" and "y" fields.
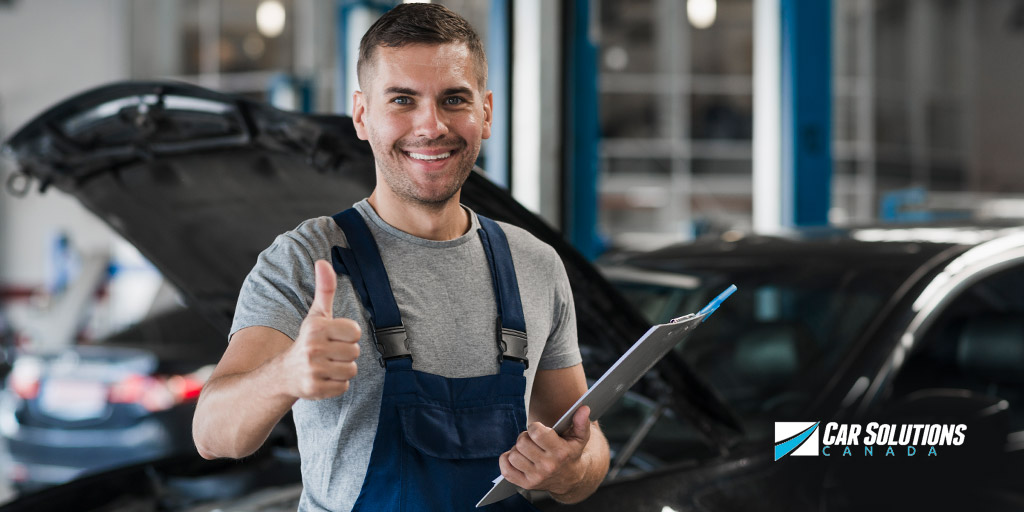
{"x": 431, "y": 122}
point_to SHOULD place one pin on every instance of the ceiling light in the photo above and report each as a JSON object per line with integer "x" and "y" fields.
{"x": 616, "y": 58}
{"x": 253, "y": 46}
{"x": 701, "y": 13}
{"x": 270, "y": 18}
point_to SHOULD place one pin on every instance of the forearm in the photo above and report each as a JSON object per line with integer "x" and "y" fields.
{"x": 237, "y": 412}
{"x": 594, "y": 467}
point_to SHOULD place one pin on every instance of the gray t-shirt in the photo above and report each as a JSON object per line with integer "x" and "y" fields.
{"x": 446, "y": 299}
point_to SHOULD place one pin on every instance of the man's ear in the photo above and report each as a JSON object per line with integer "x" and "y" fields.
{"x": 358, "y": 111}
{"x": 488, "y": 113}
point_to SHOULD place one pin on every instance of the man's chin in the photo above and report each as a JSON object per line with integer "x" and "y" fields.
{"x": 436, "y": 201}
{"x": 430, "y": 199}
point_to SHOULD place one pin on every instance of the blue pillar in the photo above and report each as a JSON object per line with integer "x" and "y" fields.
{"x": 806, "y": 111}
{"x": 341, "y": 56}
{"x": 582, "y": 130}
{"x": 289, "y": 92}
{"x": 496, "y": 154}
{"x": 354, "y": 18}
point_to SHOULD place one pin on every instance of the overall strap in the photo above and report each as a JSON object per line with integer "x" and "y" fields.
{"x": 511, "y": 323}
{"x": 361, "y": 261}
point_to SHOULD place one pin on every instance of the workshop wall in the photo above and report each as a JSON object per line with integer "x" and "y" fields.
{"x": 63, "y": 47}
{"x": 998, "y": 106}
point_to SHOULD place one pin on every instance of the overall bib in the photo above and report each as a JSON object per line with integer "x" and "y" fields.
{"x": 438, "y": 439}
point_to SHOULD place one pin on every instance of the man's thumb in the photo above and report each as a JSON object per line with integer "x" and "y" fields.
{"x": 581, "y": 424}
{"x": 323, "y": 298}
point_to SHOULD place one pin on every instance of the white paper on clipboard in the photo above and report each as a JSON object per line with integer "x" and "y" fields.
{"x": 637, "y": 361}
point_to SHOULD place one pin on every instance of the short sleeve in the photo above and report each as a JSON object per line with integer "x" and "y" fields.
{"x": 279, "y": 289}
{"x": 561, "y": 349}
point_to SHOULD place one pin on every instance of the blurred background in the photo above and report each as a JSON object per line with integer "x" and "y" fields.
{"x": 625, "y": 125}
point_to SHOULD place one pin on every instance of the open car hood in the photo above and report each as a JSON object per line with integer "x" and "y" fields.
{"x": 201, "y": 182}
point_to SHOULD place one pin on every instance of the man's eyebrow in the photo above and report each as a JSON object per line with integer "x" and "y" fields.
{"x": 400, "y": 90}
{"x": 451, "y": 91}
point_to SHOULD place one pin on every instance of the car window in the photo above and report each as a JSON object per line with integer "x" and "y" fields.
{"x": 977, "y": 344}
{"x": 768, "y": 335}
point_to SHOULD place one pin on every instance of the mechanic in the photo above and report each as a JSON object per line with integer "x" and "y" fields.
{"x": 458, "y": 325}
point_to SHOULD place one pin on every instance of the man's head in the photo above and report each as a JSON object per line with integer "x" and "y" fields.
{"x": 419, "y": 23}
{"x": 422, "y": 104}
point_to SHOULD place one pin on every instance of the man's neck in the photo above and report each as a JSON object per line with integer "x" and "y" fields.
{"x": 446, "y": 222}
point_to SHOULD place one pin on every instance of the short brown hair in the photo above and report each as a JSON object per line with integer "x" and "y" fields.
{"x": 420, "y": 23}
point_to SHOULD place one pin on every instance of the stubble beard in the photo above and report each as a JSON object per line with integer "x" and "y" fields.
{"x": 407, "y": 191}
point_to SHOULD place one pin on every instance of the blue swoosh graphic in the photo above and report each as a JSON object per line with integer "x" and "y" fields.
{"x": 782, "y": 449}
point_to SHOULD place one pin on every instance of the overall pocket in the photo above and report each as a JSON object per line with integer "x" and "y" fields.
{"x": 468, "y": 433}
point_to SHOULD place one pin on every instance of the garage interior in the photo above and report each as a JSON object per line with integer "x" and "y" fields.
{"x": 627, "y": 126}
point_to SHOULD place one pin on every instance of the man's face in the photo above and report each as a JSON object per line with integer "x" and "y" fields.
{"x": 424, "y": 114}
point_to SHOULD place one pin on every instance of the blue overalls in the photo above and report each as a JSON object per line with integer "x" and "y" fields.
{"x": 438, "y": 439}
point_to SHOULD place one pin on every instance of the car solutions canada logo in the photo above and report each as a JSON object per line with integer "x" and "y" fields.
{"x": 809, "y": 438}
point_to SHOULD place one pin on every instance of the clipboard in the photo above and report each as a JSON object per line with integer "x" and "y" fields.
{"x": 621, "y": 376}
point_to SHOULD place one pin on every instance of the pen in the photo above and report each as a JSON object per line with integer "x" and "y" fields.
{"x": 711, "y": 307}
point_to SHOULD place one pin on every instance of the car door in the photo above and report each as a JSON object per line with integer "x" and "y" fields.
{"x": 960, "y": 362}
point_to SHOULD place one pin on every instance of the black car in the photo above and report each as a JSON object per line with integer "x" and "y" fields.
{"x": 829, "y": 326}
{"x": 893, "y": 325}
{"x": 126, "y": 398}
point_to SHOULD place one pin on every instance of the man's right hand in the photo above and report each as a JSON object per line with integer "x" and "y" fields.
{"x": 263, "y": 372}
{"x": 323, "y": 358}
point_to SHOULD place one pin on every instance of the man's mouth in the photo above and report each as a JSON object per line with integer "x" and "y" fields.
{"x": 424, "y": 156}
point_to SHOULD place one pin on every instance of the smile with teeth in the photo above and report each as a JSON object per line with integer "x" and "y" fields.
{"x": 421, "y": 156}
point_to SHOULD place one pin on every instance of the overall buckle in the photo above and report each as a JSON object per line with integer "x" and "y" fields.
{"x": 513, "y": 345}
{"x": 391, "y": 343}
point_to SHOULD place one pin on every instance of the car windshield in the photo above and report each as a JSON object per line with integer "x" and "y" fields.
{"x": 772, "y": 345}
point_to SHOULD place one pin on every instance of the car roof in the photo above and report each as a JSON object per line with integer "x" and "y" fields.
{"x": 894, "y": 246}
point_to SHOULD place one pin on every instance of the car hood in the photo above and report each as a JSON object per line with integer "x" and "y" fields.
{"x": 201, "y": 182}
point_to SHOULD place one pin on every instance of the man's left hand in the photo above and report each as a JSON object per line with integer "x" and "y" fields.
{"x": 541, "y": 459}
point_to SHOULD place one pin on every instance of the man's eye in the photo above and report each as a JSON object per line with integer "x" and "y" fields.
{"x": 454, "y": 100}
{"x": 402, "y": 100}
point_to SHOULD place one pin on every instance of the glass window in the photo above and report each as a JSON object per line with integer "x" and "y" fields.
{"x": 676, "y": 88}
{"x": 977, "y": 344}
{"x": 921, "y": 91}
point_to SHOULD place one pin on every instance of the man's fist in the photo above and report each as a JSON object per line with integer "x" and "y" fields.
{"x": 541, "y": 459}
{"x": 323, "y": 358}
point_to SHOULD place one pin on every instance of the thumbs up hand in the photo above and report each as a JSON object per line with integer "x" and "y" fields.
{"x": 323, "y": 358}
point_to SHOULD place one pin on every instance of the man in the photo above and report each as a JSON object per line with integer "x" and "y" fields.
{"x": 456, "y": 325}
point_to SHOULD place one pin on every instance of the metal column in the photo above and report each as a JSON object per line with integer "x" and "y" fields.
{"x": 581, "y": 129}
{"x": 806, "y": 66}
{"x": 767, "y": 179}
{"x": 496, "y": 149}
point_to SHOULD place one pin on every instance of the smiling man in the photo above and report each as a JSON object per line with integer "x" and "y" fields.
{"x": 435, "y": 356}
